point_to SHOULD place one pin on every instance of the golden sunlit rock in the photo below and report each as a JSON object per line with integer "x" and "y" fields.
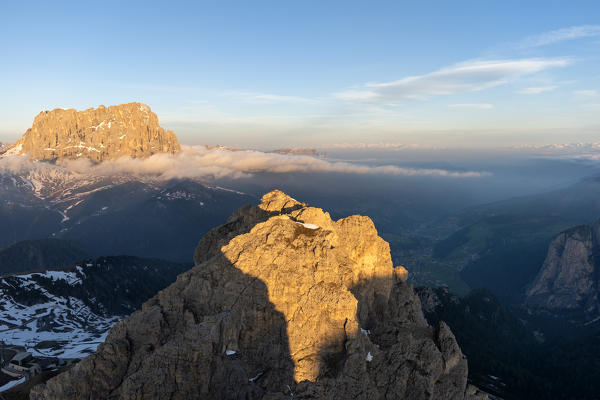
{"x": 97, "y": 134}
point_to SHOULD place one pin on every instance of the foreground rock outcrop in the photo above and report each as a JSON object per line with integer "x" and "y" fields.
{"x": 282, "y": 302}
{"x": 569, "y": 278}
{"x": 98, "y": 134}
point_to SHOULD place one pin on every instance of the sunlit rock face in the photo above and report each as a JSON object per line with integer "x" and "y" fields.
{"x": 97, "y": 134}
{"x": 283, "y": 302}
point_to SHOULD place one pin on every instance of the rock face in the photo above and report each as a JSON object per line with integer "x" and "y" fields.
{"x": 282, "y": 303}
{"x": 568, "y": 279}
{"x": 98, "y": 134}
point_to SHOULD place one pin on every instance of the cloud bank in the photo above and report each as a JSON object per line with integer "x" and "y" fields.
{"x": 198, "y": 162}
{"x": 468, "y": 76}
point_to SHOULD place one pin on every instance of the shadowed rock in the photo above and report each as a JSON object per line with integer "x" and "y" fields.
{"x": 568, "y": 280}
{"x": 283, "y": 302}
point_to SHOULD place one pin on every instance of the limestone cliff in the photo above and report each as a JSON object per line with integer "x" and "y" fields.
{"x": 98, "y": 134}
{"x": 568, "y": 279}
{"x": 283, "y": 302}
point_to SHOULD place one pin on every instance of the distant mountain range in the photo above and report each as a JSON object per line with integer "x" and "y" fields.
{"x": 564, "y": 148}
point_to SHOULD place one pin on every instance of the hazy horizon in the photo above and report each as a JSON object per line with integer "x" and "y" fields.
{"x": 314, "y": 75}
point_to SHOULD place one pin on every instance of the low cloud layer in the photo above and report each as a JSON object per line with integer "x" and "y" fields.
{"x": 198, "y": 162}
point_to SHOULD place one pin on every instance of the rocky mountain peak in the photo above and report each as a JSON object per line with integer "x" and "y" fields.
{"x": 568, "y": 279}
{"x": 283, "y": 302}
{"x": 99, "y": 134}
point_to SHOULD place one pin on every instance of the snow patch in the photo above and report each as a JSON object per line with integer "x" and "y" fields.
{"x": 230, "y": 352}
{"x": 592, "y": 321}
{"x": 225, "y": 189}
{"x": 369, "y": 357}
{"x": 82, "y": 145}
{"x": 256, "y": 377}
{"x": 15, "y": 151}
{"x": 309, "y": 226}
{"x": 11, "y": 384}
{"x": 66, "y": 323}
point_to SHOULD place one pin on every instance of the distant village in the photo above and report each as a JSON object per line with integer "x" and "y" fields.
{"x": 18, "y": 365}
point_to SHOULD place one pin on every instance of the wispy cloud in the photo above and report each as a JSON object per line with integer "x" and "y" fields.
{"x": 536, "y": 90}
{"x": 267, "y": 98}
{"x": 479, "y": 106}
{"x": 464, "y": 77}
{"x": 592, "y": 105}
{"x": 199, "y": 162}
{"x": 560, "y": 35}
{"x": 586, "y": 93}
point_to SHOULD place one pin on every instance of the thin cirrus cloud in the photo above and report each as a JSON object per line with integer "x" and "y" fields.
{"x": 536, "y": 90}
{"x": 199, "y": 162}
{"x": 468, "y": 76}
{"x": 561, "y": 35}
{"x": 586, "y": 93}
{"x": 476, "y": 106}
{"x": 266, "y": 98}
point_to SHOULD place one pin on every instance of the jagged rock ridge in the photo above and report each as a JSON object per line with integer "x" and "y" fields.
{"x": 99, "y": 134}
{"x": 282, "y": 302}
{"x": 569, "y": 278}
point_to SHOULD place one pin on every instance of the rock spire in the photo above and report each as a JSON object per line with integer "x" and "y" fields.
{"x": 283, "y": 303}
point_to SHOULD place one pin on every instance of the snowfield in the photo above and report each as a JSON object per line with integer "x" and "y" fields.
{"x": 33, "y": 314}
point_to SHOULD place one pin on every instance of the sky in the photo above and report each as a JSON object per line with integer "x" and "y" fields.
{"x": 313, "y": 74}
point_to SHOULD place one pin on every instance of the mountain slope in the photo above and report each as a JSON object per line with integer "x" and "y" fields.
{"x": 39, "y": 254}
{"x": 111, "y": 215}
{"x": 507, "y": 355}
{"x": 577, "y": 204}
{"x": 501, "y": 253}
{"x": 67, "y": 312}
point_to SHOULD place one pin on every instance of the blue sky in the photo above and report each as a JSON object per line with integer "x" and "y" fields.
{"x": 266, "y": 74}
